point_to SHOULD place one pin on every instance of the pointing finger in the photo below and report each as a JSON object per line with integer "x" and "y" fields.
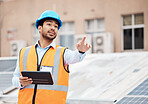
{"x": 83, "y": 40}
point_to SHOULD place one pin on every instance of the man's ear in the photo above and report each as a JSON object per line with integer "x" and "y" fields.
{"x": 39, "y": 28}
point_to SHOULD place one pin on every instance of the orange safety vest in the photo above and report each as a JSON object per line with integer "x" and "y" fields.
{"x": 44, "y": 94}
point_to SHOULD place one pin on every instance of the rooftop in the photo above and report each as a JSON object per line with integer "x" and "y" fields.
{"x": 104, "y": 78}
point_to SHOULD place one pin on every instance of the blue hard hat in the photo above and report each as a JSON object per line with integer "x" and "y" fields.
{"x": 49, "y": 14}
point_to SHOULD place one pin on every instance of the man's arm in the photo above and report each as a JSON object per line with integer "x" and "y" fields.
{"x": 18, "y": 80}
{"x": 71, "y": 57}
{"x": 16, "y": 75}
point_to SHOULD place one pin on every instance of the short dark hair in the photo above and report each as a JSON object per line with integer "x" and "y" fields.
{"x": 43, "y": 20}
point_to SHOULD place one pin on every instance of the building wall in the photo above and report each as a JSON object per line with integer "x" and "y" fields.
{"x": 21, "y": 14}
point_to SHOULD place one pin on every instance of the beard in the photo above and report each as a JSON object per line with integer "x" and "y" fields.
{"x": 48, "y": 37}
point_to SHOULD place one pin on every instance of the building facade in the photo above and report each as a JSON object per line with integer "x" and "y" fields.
{"x": 110, "y": 25}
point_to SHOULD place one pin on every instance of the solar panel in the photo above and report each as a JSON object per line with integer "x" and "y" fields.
{"x": 7, "y": 67}
{"x": 142, "y": 89}
{"x": 5, "y": 81}
{"x": 133, "y": 100}
{"x": 139, "y": 95}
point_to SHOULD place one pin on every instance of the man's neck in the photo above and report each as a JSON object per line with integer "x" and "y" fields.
{"x": 44, "y": 43}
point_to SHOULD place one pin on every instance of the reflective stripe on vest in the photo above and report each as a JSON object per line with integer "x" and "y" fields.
{"x": 25, "y": 58}
{"x": 55, "y": 72}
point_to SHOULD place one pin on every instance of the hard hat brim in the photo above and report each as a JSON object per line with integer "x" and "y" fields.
{"x": 58, "y": 20}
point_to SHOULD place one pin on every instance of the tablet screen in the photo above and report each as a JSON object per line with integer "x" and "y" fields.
{"x": 39, "y": 77}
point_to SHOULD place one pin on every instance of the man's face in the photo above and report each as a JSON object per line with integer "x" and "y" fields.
{"x": 49, "y": 30}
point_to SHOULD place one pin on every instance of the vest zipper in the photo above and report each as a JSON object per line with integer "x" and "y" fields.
{"x": 38, "y": 69}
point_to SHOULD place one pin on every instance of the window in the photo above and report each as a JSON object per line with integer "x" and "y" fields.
{"x": 66, "y": 34}
{"x": 36, "y": 35}
{"x": 95, "y": 26}
{"x": 133, "y": 31}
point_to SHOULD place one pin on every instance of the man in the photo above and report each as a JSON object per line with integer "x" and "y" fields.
{"x": 45, "y": 55}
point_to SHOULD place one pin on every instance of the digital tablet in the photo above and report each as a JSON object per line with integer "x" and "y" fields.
{"x": 39, "y": 77}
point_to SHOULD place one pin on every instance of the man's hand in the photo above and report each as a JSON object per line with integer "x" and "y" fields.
{"x": 25, "y": 81}
{"x": 83, "y": 46}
